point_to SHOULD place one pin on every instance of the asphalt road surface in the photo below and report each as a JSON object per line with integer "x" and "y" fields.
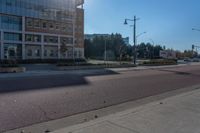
{"x": 30, "y": 100}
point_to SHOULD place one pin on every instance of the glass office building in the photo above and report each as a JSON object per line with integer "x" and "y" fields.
{"x": 36, "y": 29}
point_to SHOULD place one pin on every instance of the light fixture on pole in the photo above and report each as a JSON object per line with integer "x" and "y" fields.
{"x": 134, "y": 35}
{"x": 196, "y": 29}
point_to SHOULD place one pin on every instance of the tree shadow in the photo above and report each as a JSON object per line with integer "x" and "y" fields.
{"x": 179, "y": 72}
{"x": 176, "y": 72}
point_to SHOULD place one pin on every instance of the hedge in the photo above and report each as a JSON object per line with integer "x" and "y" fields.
{"x": 42, "y": 61}
{"x": 160, "y": 62}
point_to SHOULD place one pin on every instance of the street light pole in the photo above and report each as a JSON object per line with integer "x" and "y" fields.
{"x": 153, "y": 43}
{"x": 193, "y": 46}
{"x": 105, "y": 51}
{"x": 134, "y": 36}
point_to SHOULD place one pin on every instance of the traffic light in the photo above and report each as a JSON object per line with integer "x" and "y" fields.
{"x": 193, "y": 46}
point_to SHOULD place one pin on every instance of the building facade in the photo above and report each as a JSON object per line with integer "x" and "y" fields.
{"x": 126, "y": 40}
{"x": 36, "y": 29}
{"x": 168, "y": 54}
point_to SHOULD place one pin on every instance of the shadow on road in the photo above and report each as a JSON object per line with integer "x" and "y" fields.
{"x": 183, "y": 73}
{"x": 48, "y": 82}
{"x": 176, "y": 72}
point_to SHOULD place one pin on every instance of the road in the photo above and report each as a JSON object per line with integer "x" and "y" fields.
{"x": 29, "y": 100}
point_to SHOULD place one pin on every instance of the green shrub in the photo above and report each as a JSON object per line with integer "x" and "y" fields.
{"x": 9, "y": 63}
{"x": 160, "y": 62}
{"x": 50, "y": 61}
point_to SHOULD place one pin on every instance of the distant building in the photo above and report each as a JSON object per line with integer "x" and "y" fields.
{"x": 92, "y": 36}
{"x": 168, "y": 54}
{"x": 126, "y": 40}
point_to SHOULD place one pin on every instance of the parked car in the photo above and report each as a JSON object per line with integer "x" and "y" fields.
{"x": 188, "y": 60}
{"x": 196, "y": 59}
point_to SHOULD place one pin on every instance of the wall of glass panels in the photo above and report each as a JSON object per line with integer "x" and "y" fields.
{"x": 10, "y": 22}
{"x": 12, "y": 36}
{"x": 44, "y": 9}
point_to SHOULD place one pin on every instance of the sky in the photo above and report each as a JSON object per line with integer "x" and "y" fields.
{"x": 167, "y": 22}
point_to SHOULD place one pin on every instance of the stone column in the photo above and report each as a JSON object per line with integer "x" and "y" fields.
{"x": 23, "y": 39}
{"x": 42, "y": 47}
{"x": 2, "y": 46}
{"x": 23, "y": 47}
{"x": 59, "y": 43}
{"x": 74, "y": 32}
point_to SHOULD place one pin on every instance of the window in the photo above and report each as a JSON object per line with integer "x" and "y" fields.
{"x": 51, "y": 26}
{"x": 75, "y": 54}
{"x": 12, "y": 51}
{"x": 32, "y": 38}
{"x": 36, "y": 23}
{"x": 50, "y": 39}
{"x": 80, "y": 54}
{"x": 37, "y": 52}
{"x": 44, "y": 24}
{"x": 12, "y": 36}
{"x": 29, "y": 53}
{"x": 36, "y": 38}
{"x": 29, "y": 22}
{"x": 9, "y": 3}
{"x": 45, "y": 52}
{"x": 10, "y": 22}
{"x": 67, "y": 40}
{"x": 57, "y": 26}
{"x": 51, "y": 53}
{"x": 70, "y": 54}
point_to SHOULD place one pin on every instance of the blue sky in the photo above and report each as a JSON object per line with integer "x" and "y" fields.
{"x": 167, "y": 22}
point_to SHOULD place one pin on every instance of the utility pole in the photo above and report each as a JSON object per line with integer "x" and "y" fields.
{"x": 153, "y": 43}
{"x": 193, "y": 49}
{"x": 134, "y": 39}
{"x": 105, "y": 52}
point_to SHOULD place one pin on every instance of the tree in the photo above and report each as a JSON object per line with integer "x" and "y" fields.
{"x": 88, "y": 48}
{"x": 148, "y": 51}
{"x": 63, "y": 49}
{"x": 96, "y": 48}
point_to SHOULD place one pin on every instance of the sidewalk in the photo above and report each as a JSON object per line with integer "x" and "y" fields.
{"x": 39, "y": 72}
{"x": 176, "y": 114}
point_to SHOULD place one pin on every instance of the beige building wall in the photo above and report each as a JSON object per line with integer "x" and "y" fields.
{"x": 79, "y": 34}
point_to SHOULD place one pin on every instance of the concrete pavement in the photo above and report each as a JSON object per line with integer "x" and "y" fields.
{"x": 177, "y": 114}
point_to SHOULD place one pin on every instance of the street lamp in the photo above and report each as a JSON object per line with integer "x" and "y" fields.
{"x": 106, "y": 42}
{"x": 193, "y": 46}
{"x": 153, "y": 43}
{"x": 134, "y": 35}
{"x": 141, "y": 34}
{"x": 105, "y": 51}
{"x": 137, "y": 40}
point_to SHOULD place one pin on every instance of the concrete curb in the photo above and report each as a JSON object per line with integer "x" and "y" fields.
{"x": 112, "y": 122}
{"x": 12, "y": 69}
{"x": 64, "y": 68}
